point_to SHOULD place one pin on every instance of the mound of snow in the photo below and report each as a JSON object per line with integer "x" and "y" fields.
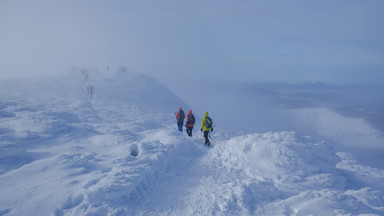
{"x": 281, "y": 174}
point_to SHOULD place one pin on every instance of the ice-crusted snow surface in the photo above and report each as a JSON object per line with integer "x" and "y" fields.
{"x": 120, "y": 154}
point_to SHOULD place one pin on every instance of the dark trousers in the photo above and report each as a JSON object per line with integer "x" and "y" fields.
{"x": 189, "y": 131}
{"x": 180, "y": 125}
{"x": 207, "y": 142}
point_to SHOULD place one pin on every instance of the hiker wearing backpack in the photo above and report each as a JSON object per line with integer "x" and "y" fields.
{"x": 180, "y": 119}
{"x": 190, "y": 122}
{"x": 206, "y": 126}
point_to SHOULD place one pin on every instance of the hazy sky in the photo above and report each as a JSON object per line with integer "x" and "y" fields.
{"x": 186, "y": 40}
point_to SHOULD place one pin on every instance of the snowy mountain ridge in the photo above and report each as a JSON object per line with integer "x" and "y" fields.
{"x": 120, "y": 154}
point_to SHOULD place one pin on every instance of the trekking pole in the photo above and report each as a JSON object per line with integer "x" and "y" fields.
{"x": 211, "y": 131}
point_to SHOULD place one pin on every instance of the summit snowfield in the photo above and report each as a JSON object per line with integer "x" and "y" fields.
{"x": 120, "y": 153}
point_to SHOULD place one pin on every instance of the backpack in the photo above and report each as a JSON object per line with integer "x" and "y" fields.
{"x": 208, "y": 122}
{"x": 191, "y": 119}
{"x": 180, "y": 116}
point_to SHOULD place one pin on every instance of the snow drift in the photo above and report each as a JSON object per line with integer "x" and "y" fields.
{"x": 120, "y": 154}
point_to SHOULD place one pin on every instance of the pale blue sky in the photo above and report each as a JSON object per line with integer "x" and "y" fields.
{"x": 177, "y": 41}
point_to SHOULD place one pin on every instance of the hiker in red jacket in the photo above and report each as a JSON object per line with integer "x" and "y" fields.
{"x": 190, "y": 122}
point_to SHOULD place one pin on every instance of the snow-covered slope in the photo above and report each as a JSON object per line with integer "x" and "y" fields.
{"x": 120, "y": 154}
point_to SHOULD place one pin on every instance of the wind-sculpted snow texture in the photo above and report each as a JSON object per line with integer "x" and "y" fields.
{"x": 120, "y": 154}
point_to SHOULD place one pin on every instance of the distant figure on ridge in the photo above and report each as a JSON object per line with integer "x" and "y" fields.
{"x": 180, "y": 119}
{"x": 90, "y": 90}
{"x": 206, "y": 125}
{"x": 190, "y": 122}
